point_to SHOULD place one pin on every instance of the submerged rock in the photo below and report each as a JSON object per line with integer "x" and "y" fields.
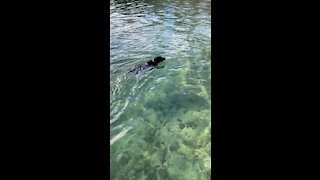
{"x": 186, "y": 152}
{"x": 181, "y": 126}
{"x": 148, "y": 139}
{"x": 124, "y": 159}
{"x": 174, "y": 147}
{"x": 162, "y": 173}
{"x": 151, "y": 175}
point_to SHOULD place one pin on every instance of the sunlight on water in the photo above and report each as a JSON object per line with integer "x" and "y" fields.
{"x": 160, "y": 120}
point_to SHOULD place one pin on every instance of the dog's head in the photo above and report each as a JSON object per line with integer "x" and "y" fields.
{"x": 158, "y": 59}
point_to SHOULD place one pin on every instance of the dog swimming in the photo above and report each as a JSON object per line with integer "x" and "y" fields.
{"x": 149, "y": 65}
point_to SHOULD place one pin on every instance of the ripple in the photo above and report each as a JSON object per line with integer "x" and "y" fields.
{"x": 120, "y": 135}
{"x": 160, "y": 119}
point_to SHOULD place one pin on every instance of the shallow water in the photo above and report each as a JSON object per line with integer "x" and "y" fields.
{"x": 160, "y": 120}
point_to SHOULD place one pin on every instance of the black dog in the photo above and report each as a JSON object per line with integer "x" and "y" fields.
{"x": 148, "y": 65}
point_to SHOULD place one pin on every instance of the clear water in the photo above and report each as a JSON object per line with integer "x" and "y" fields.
{"x": 160, "y": 121}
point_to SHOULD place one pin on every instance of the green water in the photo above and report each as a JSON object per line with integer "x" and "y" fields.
{"x": 160, "y": 120}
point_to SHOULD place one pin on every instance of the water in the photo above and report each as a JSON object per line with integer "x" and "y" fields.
{"x": 160, "y": 120}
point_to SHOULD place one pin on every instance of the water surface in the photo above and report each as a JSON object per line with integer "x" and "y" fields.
{"x": 160, "y": 120}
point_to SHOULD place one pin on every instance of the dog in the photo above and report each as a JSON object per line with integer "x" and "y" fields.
{"x": 152, "y": 64}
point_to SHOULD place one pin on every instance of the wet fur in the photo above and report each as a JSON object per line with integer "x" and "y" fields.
{"x": 152, "y": 64}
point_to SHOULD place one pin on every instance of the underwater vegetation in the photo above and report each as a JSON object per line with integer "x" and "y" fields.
{"x": 170, "y": 135}
{"x": 171, "y": 140}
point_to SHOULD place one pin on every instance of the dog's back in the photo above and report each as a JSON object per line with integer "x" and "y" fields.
{"x": 138, "y": 68}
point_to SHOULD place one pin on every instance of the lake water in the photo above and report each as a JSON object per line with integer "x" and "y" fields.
{"x": 160, "y": 120}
